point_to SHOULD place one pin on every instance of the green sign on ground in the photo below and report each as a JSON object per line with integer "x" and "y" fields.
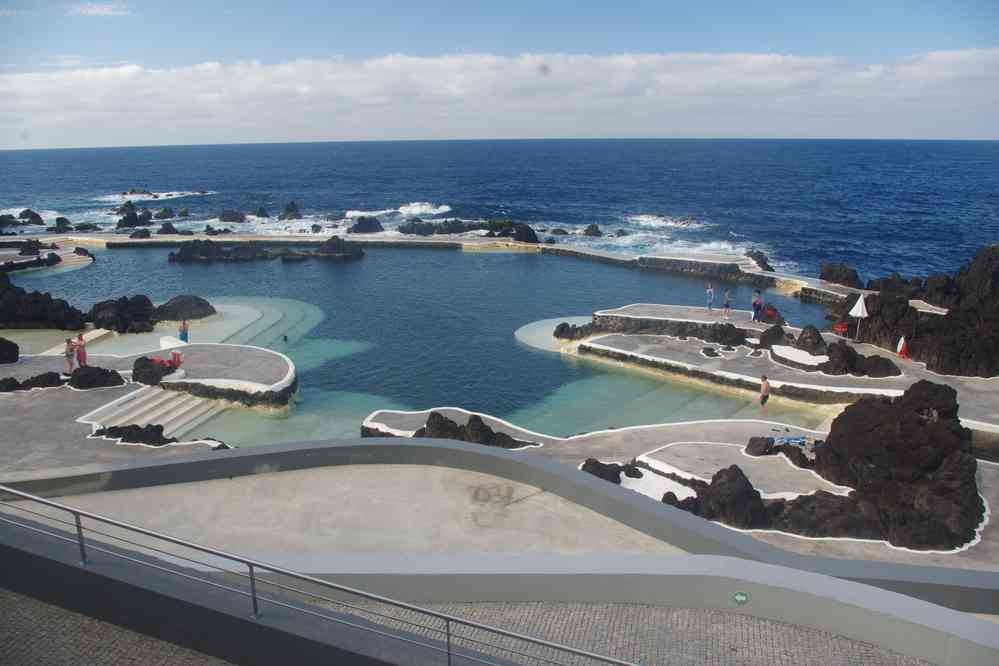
{"x": 740, "y": 598}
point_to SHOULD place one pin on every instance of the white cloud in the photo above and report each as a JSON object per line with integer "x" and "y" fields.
{"x": 7, "y": 12}
{"x": 100, "y": 9}
{"x": 934, "y": 95}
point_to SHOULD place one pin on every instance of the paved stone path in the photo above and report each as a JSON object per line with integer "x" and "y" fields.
{"x": 33, "y": 633}
{"x": 645, "y": 634}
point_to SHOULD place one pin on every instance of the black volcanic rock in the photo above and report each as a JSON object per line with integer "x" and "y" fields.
{"x": 365, "y": 225}
{"x": 730, "y": 498}
{"x": 140, "y": 233}
{"x": 609, "y": 471}
{"x": 151, "y": 435}
{"x": 232, "y": 216}
{"x": 28, "y": 216}
{"x": 523, "y": 233}
{"x": 183, "y": 307}
{"x": 775, "y": 335}
{"x": 912, "y": 459}
{"x": 91, "y": 377}
{"x": 124, "y": 315}
{"x": 9, "y": 351}
{"x": 567, "y": 331}
{"x": 316, "y": 228}
{"x": 85, "y": 226}
{"x": 840, "y": 274}
{"x": 145, "y": 216}
{"x": 290, "y": 212}
{"x": 592, "y": 230}
{"x": 262, "y": 212}
{"x": 167, "y": 228}
{"x": 183, "y": 212}
{"x": 338, "y": 249}
{"x": 44, "y": 380}
{"x": 23, "y": 309}
{"x": 164, "y": 214}
{"x": 620, "y": 233}
{"x": 760, "y": 259}
{"x": 207, "y": 251}
{"x": 62, "y": 225}
{"x": 811, "y": 341}
{"x": 760, "y": 446}
{"x": 558, "y": 232}
{"x": 145, "y": 371}
{"x": 475, "y": 431}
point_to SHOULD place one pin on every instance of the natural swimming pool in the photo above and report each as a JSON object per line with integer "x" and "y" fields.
{"x": 418, "y": 328}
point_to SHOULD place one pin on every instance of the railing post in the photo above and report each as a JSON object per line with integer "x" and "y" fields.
{"x": 253, "y": 591}
{"x": 79, "y": 540}
{"x": 447, "y": 630}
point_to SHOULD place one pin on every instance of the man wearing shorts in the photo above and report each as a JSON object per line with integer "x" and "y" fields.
{"x": 764, "y": 392}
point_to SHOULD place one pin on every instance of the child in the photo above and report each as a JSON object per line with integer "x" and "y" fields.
{"x": 69, "y": 352}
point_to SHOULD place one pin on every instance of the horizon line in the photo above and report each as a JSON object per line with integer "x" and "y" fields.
{"x": 507, "y": 139}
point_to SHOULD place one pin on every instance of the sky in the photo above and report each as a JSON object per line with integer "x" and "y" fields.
{"x": 181, "y": 72}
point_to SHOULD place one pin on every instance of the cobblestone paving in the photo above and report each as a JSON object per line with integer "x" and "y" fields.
{"x": 654, "y": 635}
{"x": 38, "y": 634}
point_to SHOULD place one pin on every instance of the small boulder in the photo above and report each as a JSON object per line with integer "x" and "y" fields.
{"x": 30, "y": 217}
{"x": 140, "y": 234}
{"x": 9, "y": 351}
{"x": 365, "y": 224}
{"x": 760, "y": 259}
{"x": 592, "y": 230}
{"x": 774, "y": 335}
{"x": 167, "y": 228}
{"x": 262, "y": 213}
{"x": 184, "y": 307}
{"x": 164, "y": 214}
{"x": 840, "y": 274}
{"x": 44, "y": 380}
{"x": 91, "y": 377}
{"x": 316, "y": 228}
{"x": 145, "y": 371}
{"x": 620, "y": 233}
{"x": 811, "y": 341}
{"x": 290, "y": 212}
{"x": 232, "y": 216}
{"x": 760, "y": 446}
{"x": 183, "y": 212}
{"x": 558, "y": 232}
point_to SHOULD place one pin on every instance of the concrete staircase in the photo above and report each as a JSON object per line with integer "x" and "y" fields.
{"x": 178, "y": 413}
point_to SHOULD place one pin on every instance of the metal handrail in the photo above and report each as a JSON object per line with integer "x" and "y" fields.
{"x": 254, "y": 565}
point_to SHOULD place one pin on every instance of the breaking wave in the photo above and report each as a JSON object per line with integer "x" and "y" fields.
{"x": 122, "y": 197}
{"x": 412, "y": 209}
{"x": 664, "y": 222}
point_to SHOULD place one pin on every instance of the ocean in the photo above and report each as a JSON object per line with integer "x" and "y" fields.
{"x": 882, "y": 206}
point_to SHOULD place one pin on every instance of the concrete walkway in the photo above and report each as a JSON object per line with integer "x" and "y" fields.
{"x": 702, "y": 458}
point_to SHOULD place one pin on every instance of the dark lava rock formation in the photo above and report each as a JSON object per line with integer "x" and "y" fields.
{"x": 151, "y": 435}
{"x": 290, "y": 212}
{"x": 145, "y": 371}
{"x": 91, "y": 377}
{"x": 723, "y": 334}
{"x": 28, "y": 216}
{"x": 518, "y": 231}
{"x": 840, "y": 274}
{"x": 125, "y": 315}
{"x": 164, "y": 214}
{"x": 167, "y": 228}
{"x": 775, "y": 335}
{"x": 365, "y": 225}
{"x": 337, "y": 249}
{"x": 262, "y": 212}
{"x": 475, "y": 431}
{"x": 184, "y": 307}
{"x": 23, "y": 309}
{"x": 610, "y": 471}
{"x": 908, "y": 459}
{"x": 232, "y": 216}
{"x": 140, "y": 233}
{"x": 811, "y": 341}
{"x": 845, "y": 360}
{"x": 9, "y": 351}
{"x": 592, "y": 230}
{"x": 206, "y": 251}
{"x": 965, "y": 341}
{"x": 760, "y": 259}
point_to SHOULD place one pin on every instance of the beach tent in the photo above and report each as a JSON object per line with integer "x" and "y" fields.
{"x": 859, "y": 312}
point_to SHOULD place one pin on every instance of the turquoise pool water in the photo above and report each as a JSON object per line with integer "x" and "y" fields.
{"x": 412, "y": 329}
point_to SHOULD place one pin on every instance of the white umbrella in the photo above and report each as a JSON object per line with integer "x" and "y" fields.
{"x": 859, "y": 311}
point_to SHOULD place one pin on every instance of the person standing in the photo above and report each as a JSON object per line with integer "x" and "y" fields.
{"x": 69, "y": 352}
{"x": 81, "y": 351}
{"x": 727, "y": 313}
{"x": 757, "y": 305}
{"x": 184, "y": 331}
{"x": 710, "y": 294}
{"x": 764, "y": 393}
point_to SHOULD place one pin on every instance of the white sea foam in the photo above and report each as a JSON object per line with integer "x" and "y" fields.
{"x": 664, "y": 222}
{"x": 159, "y": 196}
{"x": 412, "y": 209}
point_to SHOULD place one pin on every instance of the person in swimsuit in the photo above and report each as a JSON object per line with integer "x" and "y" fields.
{"x": 69, "y": 352}
{"x": 81, "y": 351}
{"x": 710, "y": 293}
{"x": 757, "y": 305}
{"x": 764, "y": 392}
{"x": 727, "y": 314}
{"x": 183, "y": 331}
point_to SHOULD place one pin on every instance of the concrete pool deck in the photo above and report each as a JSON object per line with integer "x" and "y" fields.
{"x": 46, "y": 430}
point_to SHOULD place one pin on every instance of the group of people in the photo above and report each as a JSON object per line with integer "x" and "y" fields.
{"x": 727, "y": 303}
{"x": 75, "y": 349}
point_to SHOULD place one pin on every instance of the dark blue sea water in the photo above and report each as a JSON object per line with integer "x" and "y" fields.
{"x": 911, "y": 206}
